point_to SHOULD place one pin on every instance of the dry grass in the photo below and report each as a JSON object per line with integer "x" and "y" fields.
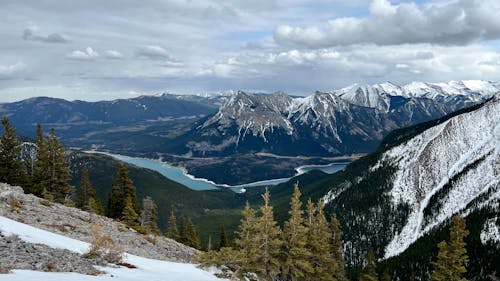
{"x": 102, "y": 246}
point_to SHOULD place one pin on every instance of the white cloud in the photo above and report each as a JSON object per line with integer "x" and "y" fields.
{"x": 6, "y": 70}
{"x": 153, "y": 52}
{"x": 87, "y": 54}
{"x": 112, "y": 54}
{"x": 459, "y": 22}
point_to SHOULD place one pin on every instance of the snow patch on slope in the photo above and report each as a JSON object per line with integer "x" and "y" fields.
{"x": 147, "y": 269}
{"x": 490, "y": 232}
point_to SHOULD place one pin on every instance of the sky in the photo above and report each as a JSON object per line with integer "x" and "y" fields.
{"x": 100, "y": 50}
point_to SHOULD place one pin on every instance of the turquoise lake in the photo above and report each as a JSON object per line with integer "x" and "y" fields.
{"x": 179, "y": 175}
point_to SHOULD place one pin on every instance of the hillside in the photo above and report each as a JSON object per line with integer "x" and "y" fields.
{"x": 405, "y": 193}
{"x": 56, "y": 236}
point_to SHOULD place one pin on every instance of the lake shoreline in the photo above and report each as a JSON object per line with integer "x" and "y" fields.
{"x": 165, "y": 168}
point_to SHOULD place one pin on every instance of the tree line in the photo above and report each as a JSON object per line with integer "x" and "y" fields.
{"x": 309, "y": 247}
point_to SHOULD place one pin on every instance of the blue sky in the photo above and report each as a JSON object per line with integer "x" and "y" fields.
{"x": 95, "y": 50}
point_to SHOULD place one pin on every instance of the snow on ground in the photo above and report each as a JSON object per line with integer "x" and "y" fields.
{"x": 490, "y": 232}
{"x": 147, "y": 269}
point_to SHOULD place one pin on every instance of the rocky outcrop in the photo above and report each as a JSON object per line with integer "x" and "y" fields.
{"x": 75, "y": 223}
{"x": 17, "y": 254}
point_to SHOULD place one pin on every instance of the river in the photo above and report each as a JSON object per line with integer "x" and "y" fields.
{"x": 181, "y": 176}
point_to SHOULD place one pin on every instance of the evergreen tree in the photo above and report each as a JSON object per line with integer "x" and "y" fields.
{"x": 297, "y": 256}
{"x": 223, "y": 237}
{"x": 87, "y": 198}
{"x": 173, "y": 232}
{"x": 337, "y": 250}
{"x": 192, "y": 235}
{"x": 267, "y": 239}
{"x": 122, "y": 188}
{"x": 149, "y": 215}
{"x": 41, "y": 174}
{"x": 452, "y": 256}
{"x": 246, "y": 241}
{"x": 182, "y": 231}
{"x": 318, "y": 239}
{"x": 12, "y": 170}
{"x": 129, "y": 215}
{"x": 386, "y": 276}
{"x": 58, "y": 186}
{"x": 369, "y": 272}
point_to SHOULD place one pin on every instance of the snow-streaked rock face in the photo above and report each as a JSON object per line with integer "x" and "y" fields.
{"x": 441, "y": 171}
{"x": 342, "y": 121}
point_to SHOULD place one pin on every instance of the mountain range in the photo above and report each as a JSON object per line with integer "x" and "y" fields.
{"x": 350, "y": 120}
{"x": 222, "y": 128}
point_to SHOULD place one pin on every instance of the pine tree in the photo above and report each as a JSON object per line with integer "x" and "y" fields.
{"x": 122, "y": 188}
{"x": 192, "y": 235}
{"x": 182, "y": 231}
{"x": 149, "y": 215}
{"x": 129, "y": 215}
{"x": 369, "y": 272}
{"x": 12, "y": 170}
{"x": 41, "y": 174}
{"x": 173, "y": 232}
{"x": 267, "y": 239}
{"x": 59, "y": 174}
{"x": 337, "y": 250}
{"x": 223, "y": 237}
{"x": 297, "y": 256}
{"x": 318, "y": 239}
{"x": 452, "y": 256}
{"x": 246, "y": 241}
{"x": 386, "y": 276}
{"x": 87, "y": 198}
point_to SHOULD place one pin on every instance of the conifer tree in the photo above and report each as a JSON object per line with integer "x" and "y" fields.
{"x": 182, "y": 230}
{"x": 386, "y": 276}
{"x": 192, "y": 235}
{"x": 129, "y": 215}
{"x": 122, "y": 188}
{"x": 369, "y": 272}
{"x": 246, "y": 241}
{"x": 223, "y": 237}
{"x": 318, "y": 239}
{"x": 12, "y": 170}
{"x": 297, "y": 256}
{"x": 41, "y": 174}
{"x": 87, "y": 198}
{"x": 149, "y": 215}
{"x": 452, "y": 256}
{"x": 59, "y": 174}
{"x": 267, "y": 239}
{"x": 173, "y": 232}
{"x": 337, "y": 250}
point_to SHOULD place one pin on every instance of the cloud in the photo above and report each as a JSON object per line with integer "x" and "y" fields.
{"x": 29, "y": 35}
{"x": 112, "y": 54}
{"x": 459, "y": 22}
{"x": 153, "y": 52}
{"x": 87, "y": 54}
{"x": 6, "y": 70}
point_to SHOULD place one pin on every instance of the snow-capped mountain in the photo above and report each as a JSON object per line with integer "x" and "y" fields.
{"x": 320, "y": 124}
{"x": 453, "y": 93}
{"x": 350, "y": 120}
